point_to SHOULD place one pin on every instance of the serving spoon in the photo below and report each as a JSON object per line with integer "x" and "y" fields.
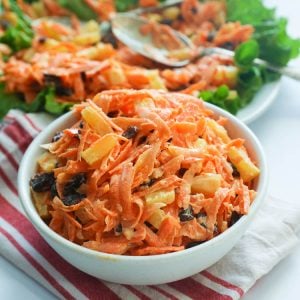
{"x": 126, "y": 28}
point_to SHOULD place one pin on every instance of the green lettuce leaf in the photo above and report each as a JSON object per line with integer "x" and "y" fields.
{"x": 44, "y": 101}
{"x": 223, "y": 98}
{"x": 80, "y": 8}
{"x": 18, "y": 36}
{"x": 275, "y": 45}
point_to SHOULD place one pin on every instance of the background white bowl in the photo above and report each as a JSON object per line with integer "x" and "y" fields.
{"x": 155, "y": 269}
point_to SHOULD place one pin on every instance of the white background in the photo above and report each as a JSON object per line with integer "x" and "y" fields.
{"x": 279, "y": 132}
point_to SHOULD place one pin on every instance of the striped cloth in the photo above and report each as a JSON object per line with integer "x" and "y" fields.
{"x": 270, "y": 238}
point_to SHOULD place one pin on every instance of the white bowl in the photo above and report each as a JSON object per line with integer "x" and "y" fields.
{"x": 154, "y": 269}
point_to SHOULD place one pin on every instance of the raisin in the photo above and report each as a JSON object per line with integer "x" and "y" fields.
{"x": 51, "y": 79}
{"x": 235, "y": 172}
{"x": 211, "y": 35}
{"x": 201, "y": 218}
{"x": 130, "y": 132}
{"x": 194, "y": 10}
{"x": 83, "y": 76}
{"x": 53, "y": 190}
{"x": 56, "y": 82}
{"x": 64, "y": 91}
{"x": 73, "y": 199}
{"x": 186, "y": 214}
{"x": 235, "y": 216}
{"x": 181, "y": 172}
{"x": 166, "y": 22}
{"x": 193, "y": 244}
{"x": 81, "y": 124}
{"x": 42, "y": 40}
{"x": 57, "y": 136}
{"x": 118, "y": 229}
{"x": 113, "y": 113}
{"x": 148, "y": 183}
{"x": 42, "y": 182}
{"x": 228, "y": 45}
{"x": 74, "y": 183}
{"x": 142, "y": 140}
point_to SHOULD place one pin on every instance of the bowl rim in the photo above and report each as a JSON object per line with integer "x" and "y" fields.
{"x": 45, "y": 230}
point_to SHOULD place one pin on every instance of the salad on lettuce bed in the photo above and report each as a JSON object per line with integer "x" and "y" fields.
{"x": 47, "y": 65}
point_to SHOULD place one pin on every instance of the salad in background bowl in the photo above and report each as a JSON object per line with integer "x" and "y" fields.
{"x": 50, "y": 66}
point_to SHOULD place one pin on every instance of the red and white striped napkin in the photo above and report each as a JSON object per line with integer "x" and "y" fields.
{"x": 270, "y": 238}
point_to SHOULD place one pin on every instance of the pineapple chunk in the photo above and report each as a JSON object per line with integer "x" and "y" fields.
{"x": 156, "y": 218}
{"x": 128, "y": 233}
{"x": 243, "y": 163}
{"x": 165, "y": 197}
{"x": 98, "y": 150}
{"x": 87, "y": 38}
{"x": 206, "y": 184}
{"x": 200, "y": 143}
{"x": 47, "y": 162}
{"x": 155, "y": 81}
{"x": 96, "y": 121}
{"x": 171, "y": 13}
{"x": 40, "y": 203}
{"x": 115, "y": 75}
{"x": 144, "y": 103}
{"x": 89, "y": 34}
{"x": 219, "y": 130}
{"x": 98, "y": 52}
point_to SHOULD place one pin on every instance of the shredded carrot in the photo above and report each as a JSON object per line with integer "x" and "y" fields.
{"x": 145, "y": 195}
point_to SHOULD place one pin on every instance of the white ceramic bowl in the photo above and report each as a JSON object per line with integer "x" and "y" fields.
{"x": 155, "y": 269}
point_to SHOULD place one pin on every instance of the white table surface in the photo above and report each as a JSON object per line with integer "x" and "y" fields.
{"x": 279, "y": 132}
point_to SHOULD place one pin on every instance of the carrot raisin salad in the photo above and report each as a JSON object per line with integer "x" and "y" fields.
{"x": 56, "y": 53}
{"x": 143, "y": 173}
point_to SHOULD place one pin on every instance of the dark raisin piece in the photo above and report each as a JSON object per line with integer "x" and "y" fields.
{"x": 180, "y": 17}
{"x": 201, "y": 218}
{"x": 57, "y": 136}
{"x": 63, "y": 91}
{"x": 74, "y": 183}
{"x": 73, "y": 199}
{"x": 186, "y": 214}
{"x": 169, "y": 140}
{"x": 113, "y": 113}
{"x": 193, "y": 244}
{"x": 118, "y": 229}
{"x": 194, "y": 10}
{"x": 235, "y": 216}
{"x": 211, "y": 36}
{"x": 42, "y": 40}
{"x": 142, "y": 140}
{"x": 81, "y": 124}
{"x": 53, "y": 190}
{"x": 235, "y": 172}
{"x": 42, "y": 182}
{"x": 228, "y": 45}
{"x": 166, "y": 22}
{"x": 51, "y": 79}
{"x": 130, "y": 132}
{"x": 83, "y": 76}
{"x": 148, "y": 183}
{"x": 181, "y": 172}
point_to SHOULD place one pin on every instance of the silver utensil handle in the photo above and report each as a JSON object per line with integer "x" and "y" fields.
{"x": 286, "y": 71}
{"x": 291, "y": 72}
